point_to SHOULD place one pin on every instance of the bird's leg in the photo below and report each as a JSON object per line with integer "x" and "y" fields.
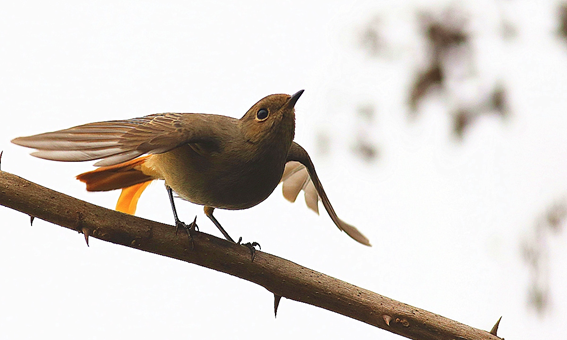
{"x": 249, "y": 245}
{"x": 178, "y": 224}
{"x": 209, "y": 213}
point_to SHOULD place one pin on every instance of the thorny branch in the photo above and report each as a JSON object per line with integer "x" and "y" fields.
{"x": 281, "y": 277}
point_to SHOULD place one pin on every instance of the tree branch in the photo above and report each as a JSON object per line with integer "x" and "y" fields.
{"x": 281, "y": 277}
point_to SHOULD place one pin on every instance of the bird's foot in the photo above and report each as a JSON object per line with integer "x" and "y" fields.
{"x": 251, "y": 246}
{"x": 190, "y": 229}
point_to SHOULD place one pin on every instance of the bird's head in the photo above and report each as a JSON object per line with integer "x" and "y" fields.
{"x": 271, "y": 118}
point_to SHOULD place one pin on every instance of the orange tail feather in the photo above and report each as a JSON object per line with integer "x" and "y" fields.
{"x": 127, "y": 176}
{"x": 128, "y": 199}
{"x": 116, "y": 176}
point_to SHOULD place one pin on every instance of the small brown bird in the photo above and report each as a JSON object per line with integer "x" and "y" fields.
{"x": 211, "y": 160}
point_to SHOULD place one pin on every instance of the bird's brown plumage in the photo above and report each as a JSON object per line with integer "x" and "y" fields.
{"x": 212, "y": 160}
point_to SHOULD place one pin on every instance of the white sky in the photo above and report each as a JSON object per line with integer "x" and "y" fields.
{"x": 446, "y": 219}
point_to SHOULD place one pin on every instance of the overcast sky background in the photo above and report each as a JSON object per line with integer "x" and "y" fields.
{"x": 446, "y": 218}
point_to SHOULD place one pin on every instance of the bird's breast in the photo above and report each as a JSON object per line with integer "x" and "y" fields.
{"x": 226, "y": 180}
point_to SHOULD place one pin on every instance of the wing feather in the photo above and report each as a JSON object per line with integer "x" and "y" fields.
{"x": 119, "y": 141}
{"x": 305, "y": 167}
{"x": 295, "y": 179}
{"x": 311, "y": 196}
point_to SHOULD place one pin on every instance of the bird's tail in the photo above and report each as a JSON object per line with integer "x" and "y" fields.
{"x": 127, "y": 176}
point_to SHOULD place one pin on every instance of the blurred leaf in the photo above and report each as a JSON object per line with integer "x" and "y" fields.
{"x": 371, "y": 39}
{"x": 535, "y": 253}
{"x": 449, "y": 69}
{"x": 423, "y": 83}
{"x": 562, "y": 30}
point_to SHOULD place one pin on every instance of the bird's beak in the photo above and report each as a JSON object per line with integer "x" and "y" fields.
{"x": 291, "y": 102}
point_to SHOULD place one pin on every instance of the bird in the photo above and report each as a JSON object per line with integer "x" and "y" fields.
{"x": 216, "y": 161}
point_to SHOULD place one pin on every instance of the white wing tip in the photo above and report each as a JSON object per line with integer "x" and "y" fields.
{"x": 354, "y": 233}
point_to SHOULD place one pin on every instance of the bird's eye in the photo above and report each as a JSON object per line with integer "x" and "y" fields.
{"x": 262, "y": 114}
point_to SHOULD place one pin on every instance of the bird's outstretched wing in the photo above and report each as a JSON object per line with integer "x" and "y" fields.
{"x": 118, "y": 141}
{"x": 299, "y": 174}
{"x": 295, "y": 179}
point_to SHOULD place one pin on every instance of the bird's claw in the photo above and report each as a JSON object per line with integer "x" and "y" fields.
{"x": 251, "y": 246}
{"x": 190, "y": 229}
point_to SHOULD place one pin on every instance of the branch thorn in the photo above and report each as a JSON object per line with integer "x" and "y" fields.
{"x": 277, "y": 299}
{"x": 494, "y": 329}
{"x": 86, "y": 233}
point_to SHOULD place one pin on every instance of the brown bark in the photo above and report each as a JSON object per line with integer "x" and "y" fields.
{"x": 279, "y": 276}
